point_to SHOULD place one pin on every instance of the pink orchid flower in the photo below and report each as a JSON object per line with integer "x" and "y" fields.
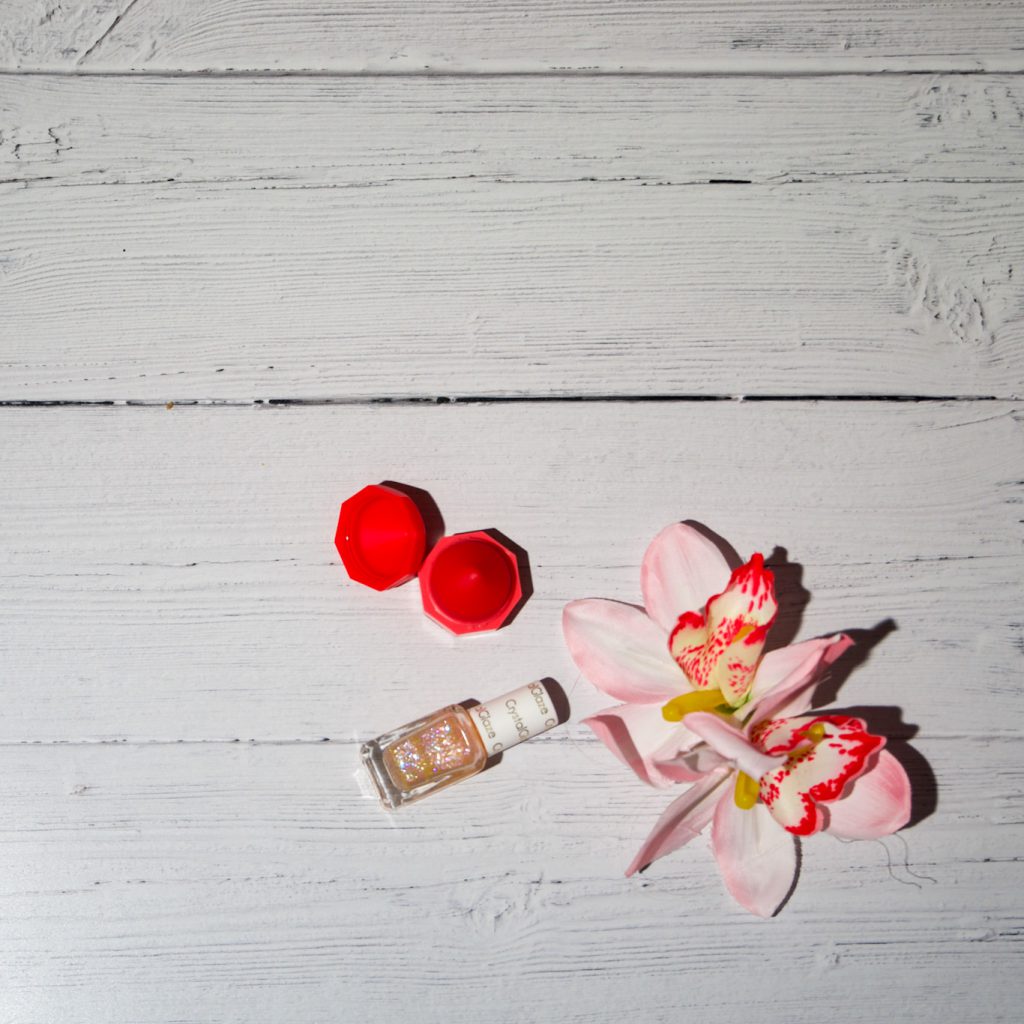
{"x": 705, "y": 705}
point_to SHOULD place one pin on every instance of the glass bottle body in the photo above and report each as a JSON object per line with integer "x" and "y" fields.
{"x": 423, "y": 756}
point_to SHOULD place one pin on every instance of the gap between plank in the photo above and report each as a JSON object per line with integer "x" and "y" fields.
{"x": 751, "y": 71}
{"x": 418, "y": 400}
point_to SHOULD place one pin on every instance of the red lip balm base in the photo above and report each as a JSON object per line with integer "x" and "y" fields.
{"x": 470, "y": 583}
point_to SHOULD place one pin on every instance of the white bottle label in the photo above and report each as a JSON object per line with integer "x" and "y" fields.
{"x": 518, "y": 715}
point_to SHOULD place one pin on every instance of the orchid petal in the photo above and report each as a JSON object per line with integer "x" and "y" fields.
{"x": 721, "y": 648}
{"x": 785, "y": 680}
{"x": 689, "y": 765}
{"x": 683, "y": 819}
{"x": 756, "y": 857}
{"x": 878, "y": 804}
{"x": 621, "y": 651}
{"x": 639, "y": 736}
{"x": 731, "y": 743}
{"x": 815, "y": 771}
{"x": 681, "y": 570}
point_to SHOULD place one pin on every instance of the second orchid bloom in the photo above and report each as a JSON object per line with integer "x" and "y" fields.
{"x": 704, "y": 705}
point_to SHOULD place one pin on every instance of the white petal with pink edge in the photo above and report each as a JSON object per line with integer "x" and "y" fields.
{"x": 683, "y": 819}
{"x": 721, "y": 648}
{"x": 785, "y": 679}
{"x": 816, "y": 770}
{"x": 621, "y": 651}
{"x": 756, "y": 857}
{"x": 639, "y": 737}
{"x": 876, "y": 806}
{"x": 681, "y": 570}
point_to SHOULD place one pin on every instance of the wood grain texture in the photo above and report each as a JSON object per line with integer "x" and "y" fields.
{"x": 233, "y": 204}
{"x": 170, "y": 574}
{"x": 396, "y": 237}
{"x": 240, "y": 883}
{"x": 292, "y": 132}
{"x": 212, "y": 290}
{"x": 526, "y": 35}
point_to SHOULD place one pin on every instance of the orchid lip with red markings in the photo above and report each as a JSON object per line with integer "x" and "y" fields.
{"x": 720, "y": 648}
{"x": 823, "y": 756}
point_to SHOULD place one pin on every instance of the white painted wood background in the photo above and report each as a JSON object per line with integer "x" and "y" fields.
{"x": 275, "y": 215}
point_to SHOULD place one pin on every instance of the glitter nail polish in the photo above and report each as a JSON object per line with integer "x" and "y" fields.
{"x": 454, "y": 743}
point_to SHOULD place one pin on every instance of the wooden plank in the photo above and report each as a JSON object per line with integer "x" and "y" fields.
{"x": 207, "y": 290}
{"x": 235, "y": 883}
{"x": 525, "y": 35}
{"x": 170, "y": 574}
{"x": 58, "y": 130}
{"x": 517, "y": 196}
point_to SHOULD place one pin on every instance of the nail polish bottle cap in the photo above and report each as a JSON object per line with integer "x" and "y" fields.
{"x": 381, "y": 537}
{"x": 470, "y": 582}
{"x": 514, "y": 717}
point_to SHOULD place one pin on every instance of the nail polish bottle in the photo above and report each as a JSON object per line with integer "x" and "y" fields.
{"x": 442, "y": 748}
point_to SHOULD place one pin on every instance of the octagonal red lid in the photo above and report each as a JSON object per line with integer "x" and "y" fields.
{"x": 381, "y": 537}
{"x": 470, "y": 582}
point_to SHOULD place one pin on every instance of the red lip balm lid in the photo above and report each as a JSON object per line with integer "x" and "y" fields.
{"x": 381, "y": 537}
{"x": 470, "y": 583}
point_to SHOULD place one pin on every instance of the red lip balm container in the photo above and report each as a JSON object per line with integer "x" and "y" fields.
{"x": 381, "y": 537}
{"x": 469, "y": 583}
